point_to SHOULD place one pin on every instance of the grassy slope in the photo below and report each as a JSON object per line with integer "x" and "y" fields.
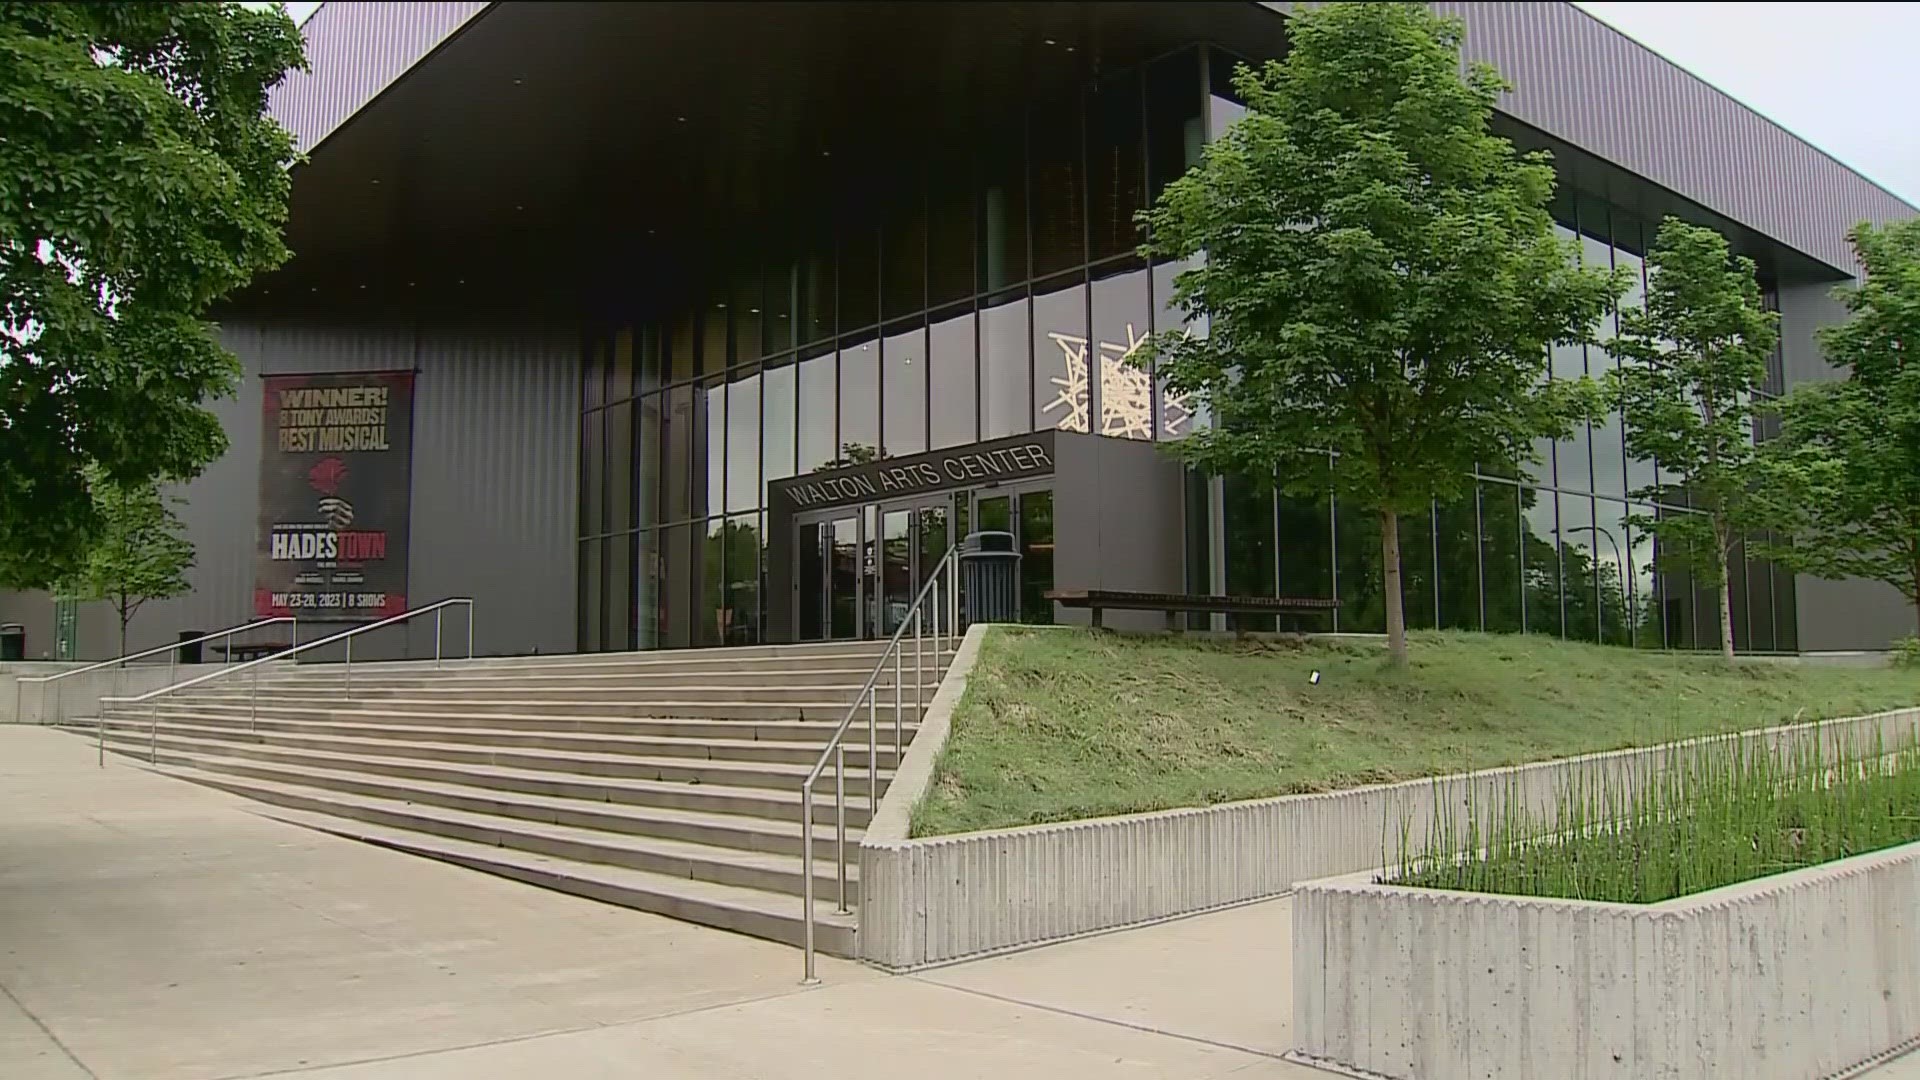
{"x": 1063, "y": 724}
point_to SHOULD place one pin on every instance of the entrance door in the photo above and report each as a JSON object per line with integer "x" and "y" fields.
{"x": 828, "y": 578}
{"x": 859, "y": 569}
{"x": 913, "y": 537}
{"x": 1027, "y": 513}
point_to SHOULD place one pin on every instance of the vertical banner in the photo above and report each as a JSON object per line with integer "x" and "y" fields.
{"x": 336, "y": 490}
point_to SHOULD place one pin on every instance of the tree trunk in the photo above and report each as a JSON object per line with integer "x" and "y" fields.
{"x": 1726, "y": 599}
{"x": 1396, "y": 608}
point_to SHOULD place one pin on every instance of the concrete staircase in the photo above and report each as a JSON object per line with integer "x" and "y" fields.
{"x": 665, "y": 781}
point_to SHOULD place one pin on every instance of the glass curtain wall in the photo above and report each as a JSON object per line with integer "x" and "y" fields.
{"x": 984, "y": 289}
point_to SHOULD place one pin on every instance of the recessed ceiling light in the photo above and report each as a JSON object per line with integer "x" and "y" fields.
{"x": 517, "y": 206}
{"x": 1069, "y": 48}
{"x": 315, "y": 288}
{"x": 682, "y": 119}
{"x": 722, "y": 307}
{"x": 826, "y": 153}
{"x": 462, "y": 281}
{"x": 409, "y": 284}
{"x": 1047, "y": 41}
{"x": 753, "y": 311}
{"x": 373, "y": 180}
{"x": 363, "y": 284}
{"x": 517, "y": 82}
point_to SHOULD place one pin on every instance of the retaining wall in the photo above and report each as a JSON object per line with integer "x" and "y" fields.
{"x": 937, "y": 899}
{"x": 78, "y": 696}
{"x": 1799, "y": 976}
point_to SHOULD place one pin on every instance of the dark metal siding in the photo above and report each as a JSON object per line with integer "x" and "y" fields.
{"x": 354, "y": 51}
{"x": 495, "y": 467}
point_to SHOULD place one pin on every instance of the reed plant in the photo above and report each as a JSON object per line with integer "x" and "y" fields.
{"x": 1696, "y": 817}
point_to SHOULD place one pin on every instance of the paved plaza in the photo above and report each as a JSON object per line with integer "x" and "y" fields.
{"x": 154, "y": 929}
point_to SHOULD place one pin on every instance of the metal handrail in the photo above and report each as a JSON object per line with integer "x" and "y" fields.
{"x": 836, "y": 749}
{"x": 171, "y": 649}
{"x": 253, "y": 707}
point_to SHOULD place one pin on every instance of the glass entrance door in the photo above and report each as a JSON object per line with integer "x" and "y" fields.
{"x": 913, "y": 537}
{"x": 828, "y": 578}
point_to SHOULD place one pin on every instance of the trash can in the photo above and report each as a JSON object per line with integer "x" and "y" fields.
{"x": 189, "y": 649}
{"x": 13, "y": 641}
{"x": 990, "y": 577}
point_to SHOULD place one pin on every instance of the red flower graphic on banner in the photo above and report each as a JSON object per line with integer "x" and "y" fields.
{"x": 327, "y": 476}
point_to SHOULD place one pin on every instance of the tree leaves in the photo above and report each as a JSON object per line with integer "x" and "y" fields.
{"x": 1845, "y": 473}
{"x": 1694, "y": 366}
{"x": 142, "y": 181}
{"x": 1379, "y": 275}
{"x": 140, "y": 553}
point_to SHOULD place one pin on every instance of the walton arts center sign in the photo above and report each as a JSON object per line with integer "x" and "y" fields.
{"x": 1002, "y": 460}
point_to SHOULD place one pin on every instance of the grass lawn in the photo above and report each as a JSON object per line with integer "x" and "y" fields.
{"x": 1059, "y": 724}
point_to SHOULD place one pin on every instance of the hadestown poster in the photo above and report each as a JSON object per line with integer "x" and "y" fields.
{"x": 336, "y": 488}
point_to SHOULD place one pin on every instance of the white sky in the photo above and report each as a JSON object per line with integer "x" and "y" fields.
{"x": 1842, "y": 76}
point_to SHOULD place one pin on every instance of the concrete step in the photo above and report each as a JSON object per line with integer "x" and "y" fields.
{"x": 745, "y": 693}
{"x": 752, "y": 774}
{"x": 272, "y": 717}
{"x": 848, "y": 653}
{"x": 819, "y": 675}
{"x": 737, "y": 750}
{"x": 729, "y": 831}
{"x": 770, "y": 803}
{"x": 702, "y": 862}
{"x": 747, "y": 911}
{"x": 711, "y": 708}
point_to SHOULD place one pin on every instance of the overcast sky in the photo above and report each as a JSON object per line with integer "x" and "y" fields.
{"x": 1842, "y": 76}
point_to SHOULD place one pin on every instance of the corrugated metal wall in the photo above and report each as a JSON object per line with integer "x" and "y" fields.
{"x": 354, "y": 51}
{"x": 1581, "y": 81}
{"x": 495, "y": 473}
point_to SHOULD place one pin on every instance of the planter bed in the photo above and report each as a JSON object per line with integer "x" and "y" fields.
{"x": 1798, "y": 976}
{"x": 1652, "y": 934}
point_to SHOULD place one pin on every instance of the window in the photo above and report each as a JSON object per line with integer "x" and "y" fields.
{"x": 1005, "y": 366}
{"x": 953, "y": 418}
{"x": 1122, "y": 326}
{"x": 903, "y": 425}
{"x": 1063, "y": 387}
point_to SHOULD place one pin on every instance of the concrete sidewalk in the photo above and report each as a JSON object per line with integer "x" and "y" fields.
{"x": 154, "y": 929}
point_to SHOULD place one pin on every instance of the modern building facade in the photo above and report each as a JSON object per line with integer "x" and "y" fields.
{"x": 723, "y": 321}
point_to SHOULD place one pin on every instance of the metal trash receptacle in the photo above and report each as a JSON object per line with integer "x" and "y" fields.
{"x": 990, "y": 577}
{"x": 189, "y": 649}
{"x": 13, "y": 641}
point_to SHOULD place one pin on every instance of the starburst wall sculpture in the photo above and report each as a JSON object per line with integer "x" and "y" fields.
{"x": 1126, "y": 392}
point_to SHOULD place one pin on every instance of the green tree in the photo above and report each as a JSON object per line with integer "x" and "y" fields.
{"x": 1695, "y": 362}
{"x": 1846, "y": 468}
{"x": 1380, "y": 275}
{"x": 139, "y": 553}
{"x": 139, "y": 181}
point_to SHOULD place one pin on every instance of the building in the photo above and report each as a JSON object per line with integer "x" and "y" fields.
{"x": 701, "y": 324}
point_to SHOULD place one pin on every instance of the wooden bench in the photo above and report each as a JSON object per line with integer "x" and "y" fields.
{"x": 1097, "y": 600}
{"x": 253, "y": 651}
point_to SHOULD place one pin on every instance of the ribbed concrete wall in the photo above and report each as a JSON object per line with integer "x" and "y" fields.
{"x": 1793, "y": 977}
{"x": 938, "y": 899}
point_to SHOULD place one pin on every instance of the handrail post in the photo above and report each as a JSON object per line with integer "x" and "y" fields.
{"x": 898, "y": 662}
{"x": 470, "y": 606}
{"x": 153, "y": 734}
{"x": 436, "y": 637}
{"x": 806, "y": 873}
{"x": 873, "y": 741}
{"x": 253, "y": 703}
{"x": 173, "y": 654}
{"x": 100, "y": 726}
{"x": 840, "y": 822}
{"x": 348, "y": 692}
{"x": 920, "y": 681}
{"x": 229, "y": 652}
